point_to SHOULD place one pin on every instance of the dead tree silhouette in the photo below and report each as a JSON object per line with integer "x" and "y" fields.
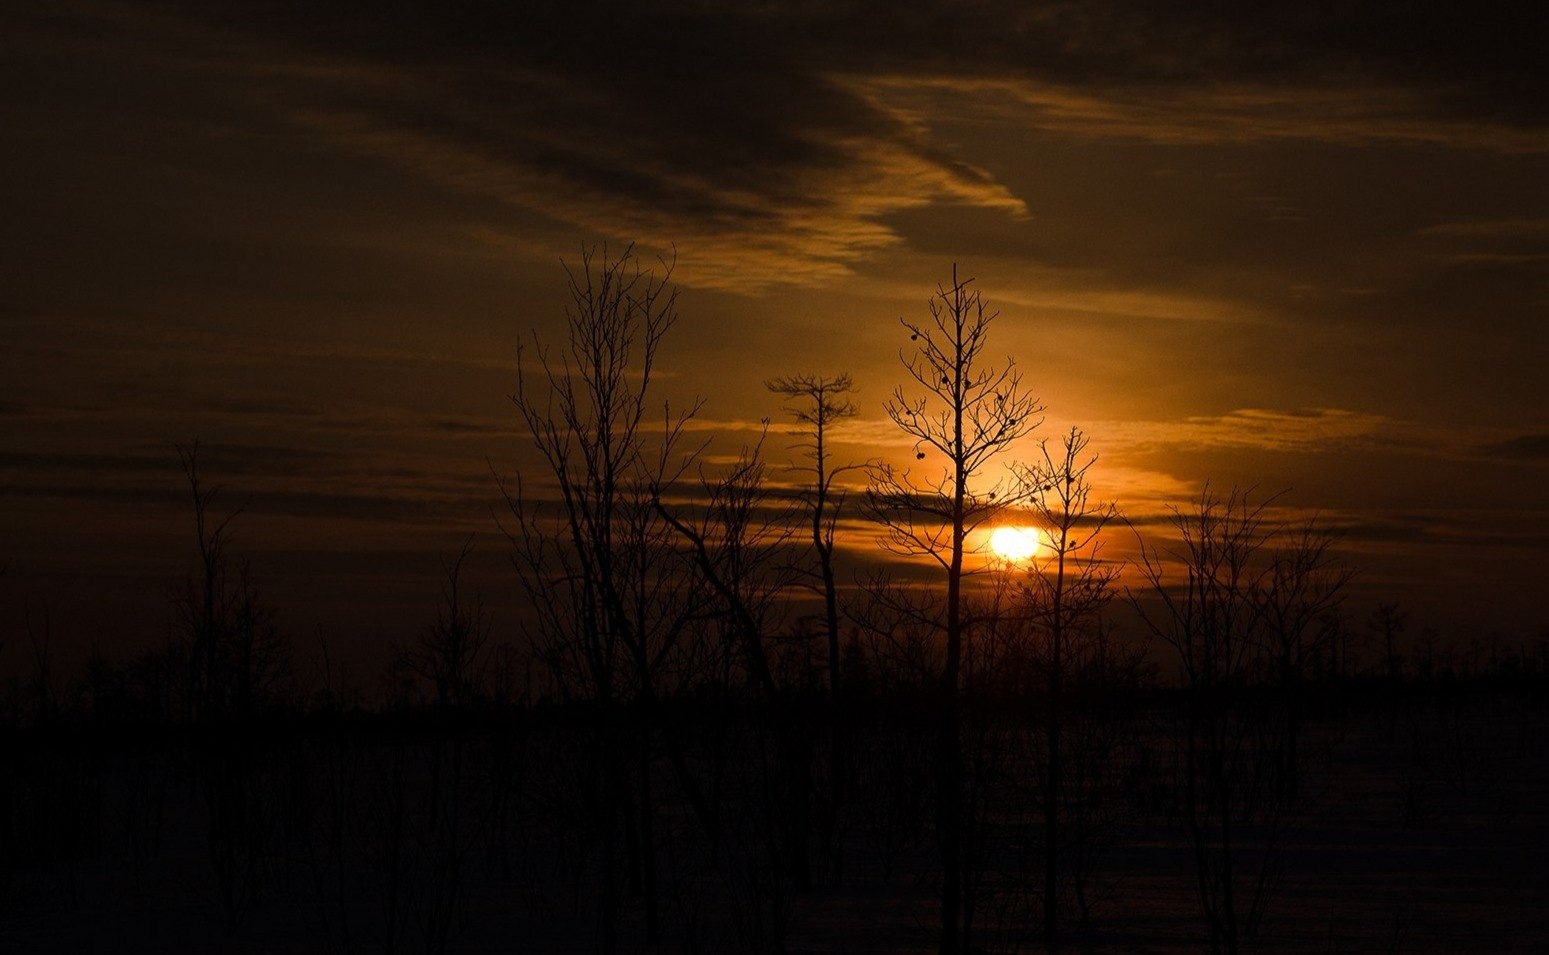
{"x": 451, "y": 653}
{"x": 817, "y": 403}
{"x": 1066, "y": 594}
{"x": 1220, "y": 622}
{"x": 1301, "y": 594}
{"x": 238, "y": 661}
{"x": 970, "y": 411}
{"x": 599, "y": 565}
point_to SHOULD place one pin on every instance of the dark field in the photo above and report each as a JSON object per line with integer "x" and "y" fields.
{"x": 1421, "y": 824}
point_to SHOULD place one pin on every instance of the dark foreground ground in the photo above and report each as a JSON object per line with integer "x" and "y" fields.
{"x": 1421, "y": 827}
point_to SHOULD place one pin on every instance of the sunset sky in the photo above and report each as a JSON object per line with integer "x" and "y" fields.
{"x": 1304, "y": 247}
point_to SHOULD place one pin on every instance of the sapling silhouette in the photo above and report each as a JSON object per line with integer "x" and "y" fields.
{"x": 239, "y": 661}
{"x": 451, "y": 653}
{"x": 1388, "y": 622}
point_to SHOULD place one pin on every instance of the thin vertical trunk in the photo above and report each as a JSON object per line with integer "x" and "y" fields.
{"x": 949, "y": 773}
{"x": 836, "y": 719}
{"x": 950, "y": 766}
{"x": 798, "y": 776}
{"x": 653, "y": 928}
{"x": 1293, "y": 725}
{"x": 1228, "y": 875}
{"x": 982, "y": 410}
{"x": 836, "y": 737}
{"x": 614, "y": 810}
{"x": 820, "y": 402}
{"x": 1051, "y": 808}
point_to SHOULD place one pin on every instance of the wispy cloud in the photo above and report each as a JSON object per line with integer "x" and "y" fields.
{"x": 1526, "y": 447}
{"x": 1492, "y": 244}
{"x": 1308, "y": 430}
{"x": 1492, "y": 229}
{"x": 1193, "y": 116}
{"x": 799, "y": 226}
{"x": 770, "y": 145}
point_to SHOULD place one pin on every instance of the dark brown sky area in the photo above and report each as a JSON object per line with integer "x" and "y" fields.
{"x": 1296, "y": 246}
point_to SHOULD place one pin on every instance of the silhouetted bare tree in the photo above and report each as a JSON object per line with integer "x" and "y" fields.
{"x": 237, "y": 663}
{"x": 1301, "y": 596}
{"x": 451, "y": 653}
{"x": 204, "y": 605}
{"x": 816, "y": 403}
{"x": 1388, "y": 622}
{"x": 734, "y": 544}
{"x": 1214, "y": 620}
{"x": 238, "y": 660}
{"x": 601, "y": 566}
{"x": 737, "y": 536}
{"x": 1067, "y": 591}
{"x": 970, "y": 411}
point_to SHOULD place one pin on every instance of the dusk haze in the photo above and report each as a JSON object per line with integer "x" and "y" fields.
{"x": 985, "y": 477}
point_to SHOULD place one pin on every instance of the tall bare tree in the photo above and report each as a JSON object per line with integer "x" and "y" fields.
{"x": 816, "y": 403}
{"x": 1067, "y": 591}
{"x": 1215, "y": 620}
{"x": 734, "y": 544}
{"x": 600, "y": 565}
{"x": 739, "y": 546}
{"x": 204, "y": 605}
{"x": 966, "y": 411}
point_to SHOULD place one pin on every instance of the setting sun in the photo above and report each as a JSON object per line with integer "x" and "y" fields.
{"x": 1014, "y": 544}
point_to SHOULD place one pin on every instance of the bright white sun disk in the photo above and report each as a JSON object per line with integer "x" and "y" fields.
{"x": 1014, "y": 544}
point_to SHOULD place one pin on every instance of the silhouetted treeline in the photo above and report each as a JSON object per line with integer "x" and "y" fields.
{"x": 407, "y": 829}
{"x": 667, "y": 752}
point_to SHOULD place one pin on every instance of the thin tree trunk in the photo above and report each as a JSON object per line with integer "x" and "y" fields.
{"x": 949, "y": 799}
{"x": 653, "y": 928}
{"x": 1052, "y": 801}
